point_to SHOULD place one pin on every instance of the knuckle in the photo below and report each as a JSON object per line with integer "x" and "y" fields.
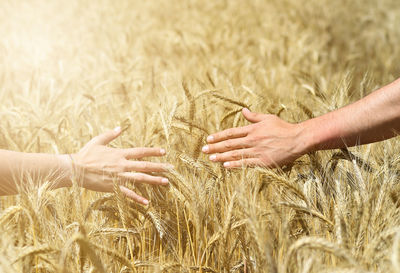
{"x": 228, "y": 144}
{"x": 236, "y": 155}
{"x": 146, "y": 165}
{"x": 230, "y": 133}
{"x": 222, "y": 157}
{"x": 125, "y": 153}
{"x": 252, "y": 128}
{"x": 251, "y": 139}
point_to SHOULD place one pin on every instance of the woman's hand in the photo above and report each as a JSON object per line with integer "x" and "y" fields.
{"x": 98, "y": 166}
{"x": 268, "y": 142}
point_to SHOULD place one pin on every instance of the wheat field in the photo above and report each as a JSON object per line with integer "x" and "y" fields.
{"x": 170, "y": 73}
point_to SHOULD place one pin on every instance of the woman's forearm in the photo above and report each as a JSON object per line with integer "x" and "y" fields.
{"x": 17, "y": 167}
{"x": 373, "y": 118}
{"x": 96, "y": 167}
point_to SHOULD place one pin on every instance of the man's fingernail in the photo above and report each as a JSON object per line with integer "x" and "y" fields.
{"x": 213, "y": 157}
{"x": 205, "y": 149}
{"x": 146, "y": 202}
{"x": 227, "y": 164}
{"x": 162, "y": 151}
{"x": 210, "y": 138}
{"x": 117, "y": 129}
{"x": 164, "y": 180}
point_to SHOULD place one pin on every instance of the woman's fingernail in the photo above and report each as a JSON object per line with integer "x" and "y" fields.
{"x": 227, "y": 164}
{"x": 164, "y": 180}
{"x": 205, "y": 149}
{"x": 162, "y": 152}
{"x": 213, "y": 157}
{"x": 170, "y": 167}
{"x": 117, "y": 129}
{"x": 146, "y": 202}
{"x": 210, "y": 138}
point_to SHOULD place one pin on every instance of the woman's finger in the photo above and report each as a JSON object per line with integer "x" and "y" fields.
{"x": 248, "y": 162}
{"x": 146, "y": 167}
{"x": 227, "y": 145}
{"x": 134, "y": 196}
{"x": 232, "y": 155}
{"x": 228, "y": 134}
{"x": 136, "y": 153}
{"x": 144, "y": 178}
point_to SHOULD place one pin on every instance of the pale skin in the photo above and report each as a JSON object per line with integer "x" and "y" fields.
{"x": 272, "y": 142}
{"x": 96, "y": 167}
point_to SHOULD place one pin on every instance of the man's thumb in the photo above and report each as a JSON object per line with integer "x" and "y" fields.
{"x": 252, "y": 117}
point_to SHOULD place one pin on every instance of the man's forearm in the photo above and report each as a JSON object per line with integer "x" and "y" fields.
{"x": 373, "y": 118}
{"x": 17, "y": 167}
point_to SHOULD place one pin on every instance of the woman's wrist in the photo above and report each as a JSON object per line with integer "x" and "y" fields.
{"x": 66, "y": 170}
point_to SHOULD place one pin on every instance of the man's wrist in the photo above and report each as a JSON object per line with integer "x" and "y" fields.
{"x": 307, "y": 136}
{"x": 321, "y": 133}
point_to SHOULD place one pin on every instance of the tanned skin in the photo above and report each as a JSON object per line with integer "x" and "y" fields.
{"x": 271, "y": 142}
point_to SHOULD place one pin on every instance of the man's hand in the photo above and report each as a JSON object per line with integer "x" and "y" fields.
{"x": 268, "y": 142}
{"x": 98, "y": 166}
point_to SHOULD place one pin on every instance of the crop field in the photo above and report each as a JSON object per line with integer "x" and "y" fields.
{"x": 170, "y": 73}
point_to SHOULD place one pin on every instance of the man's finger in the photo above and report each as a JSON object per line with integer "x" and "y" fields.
{"x": 134, "y": 196}
{"x": 146, "y": 167}
{"x": 144, "y": 178}
{"x": 227, "y": 145}
{"x": 228, "y": 134}
{"x": 248, "y": 162}
{"x": 136, "y": 153}
{"x": 232, "y": 155}
{"x": 106, "y": 137}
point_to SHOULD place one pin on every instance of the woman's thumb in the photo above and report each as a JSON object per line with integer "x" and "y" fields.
{"x": 106, "y": 137}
